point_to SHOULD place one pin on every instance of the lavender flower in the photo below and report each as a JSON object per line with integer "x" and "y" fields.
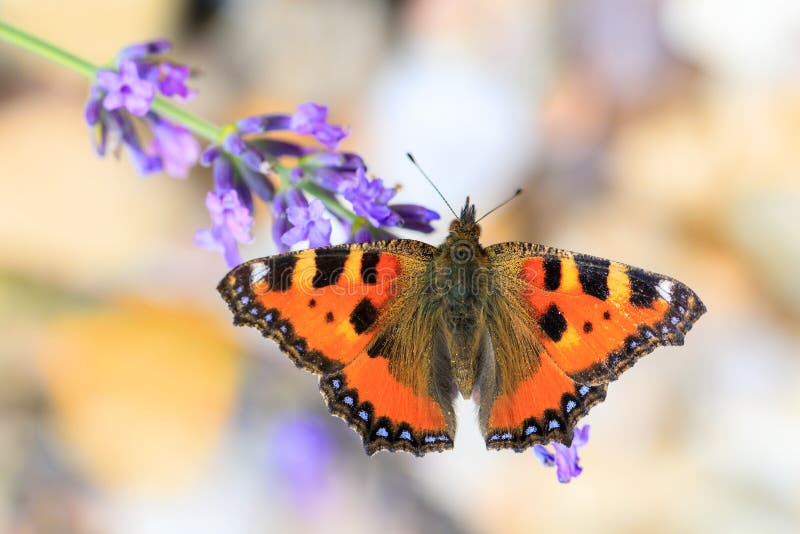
{"x": 121, "y": 99}
{"x": 369, "y": 199}
{"x": 174, "y": 145}
{"x": 301, "y": 455}
{"x": 565, "y": 459}
{"x": 172, "y": 80}
{"x": 231, "y": 223}
{"x": 308, "y": 222}
{"x": 126, "y": 89}
{"x": 312, "y": 119}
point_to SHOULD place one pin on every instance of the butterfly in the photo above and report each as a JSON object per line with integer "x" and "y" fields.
{"x": 397, "y": 329}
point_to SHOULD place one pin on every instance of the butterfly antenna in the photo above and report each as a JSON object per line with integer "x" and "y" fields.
{"x": 517, "y": 193}
{"x": 431, "y": 182}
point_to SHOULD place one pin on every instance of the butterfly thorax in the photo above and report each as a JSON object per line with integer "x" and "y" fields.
{"x": 460, "y": 285}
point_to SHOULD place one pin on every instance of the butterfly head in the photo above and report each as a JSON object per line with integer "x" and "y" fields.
{"x": 466, "y": 225}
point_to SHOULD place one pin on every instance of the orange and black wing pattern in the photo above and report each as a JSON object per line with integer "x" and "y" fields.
{"x": 339, "y": 313}
{"x": 589, "y": 319}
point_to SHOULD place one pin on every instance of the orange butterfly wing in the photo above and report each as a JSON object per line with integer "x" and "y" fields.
{"x": 335, "y": 311}
{"x": 590, "y": 319}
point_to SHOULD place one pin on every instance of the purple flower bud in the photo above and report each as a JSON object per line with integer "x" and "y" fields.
{"x": 172, "y": 80}
{"x": 260, "y": 184}
{"x": 176, "y": 146}
{"x": 311, "y": 119}
{"x": 126, "y": 89}
{"x": 93, "y": 111}
{"x": 565, "y": 459}
{"x": 263, "y": 123}
{"x": 210, "y": 155}
{"x": 415, "y": 217}
{"x": 141, "y": 50}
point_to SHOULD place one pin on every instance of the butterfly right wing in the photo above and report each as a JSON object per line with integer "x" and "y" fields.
{"x": 573, "y": 323}
{"x": 352, "y": 314}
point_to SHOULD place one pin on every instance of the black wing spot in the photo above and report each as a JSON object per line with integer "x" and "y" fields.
{"x": 553, "y": 323}
{"x": 643, "y": 288}
{"x": 369, "y": 264}
{"x": 329, "y": 317}
{"x": 330, "y": 267}
{"x": 280, "y": 273}
{"x": 587, "y": 327}
{"x": 312, "y": 303}
{"x": 552, "y": 273}
{"x": 593, "y": 275}
{"x": 364, "y": 316}
{"x": 606, "y": 315}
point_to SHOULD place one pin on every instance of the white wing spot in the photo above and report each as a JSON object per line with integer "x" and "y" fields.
{"x": 258, "y": 271}
{"x": 664, "y": 289}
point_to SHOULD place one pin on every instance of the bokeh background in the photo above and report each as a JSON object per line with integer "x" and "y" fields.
{"x": 661, "y": 133}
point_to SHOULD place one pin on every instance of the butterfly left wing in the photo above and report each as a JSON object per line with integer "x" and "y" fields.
{"x": 576, "y": 323}
{"x": 352, "y": 314}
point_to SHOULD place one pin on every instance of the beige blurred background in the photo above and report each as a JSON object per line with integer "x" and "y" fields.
{"x": 665, "y": 134}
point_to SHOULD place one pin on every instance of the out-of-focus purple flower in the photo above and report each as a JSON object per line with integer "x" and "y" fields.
{"x": 312, "y": 119}
{"x": 301, "y": 454}
{"x": 175, "y": 145}
{"x": 126, "y": 89}
{"x": 172, "y": 80}
{"x": 369, "y": 199}
{"x": 118, "y": 109}
{"x": 415, "y": 217}
{"x": 231, "y": 223}
{"x": 565, "y": 459}
{"x": 308, "y": 221}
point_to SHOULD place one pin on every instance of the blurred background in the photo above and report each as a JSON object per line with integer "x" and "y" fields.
{"x": 660, "y": 133}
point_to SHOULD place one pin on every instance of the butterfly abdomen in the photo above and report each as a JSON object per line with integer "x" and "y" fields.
{"x": 460, "y": 281}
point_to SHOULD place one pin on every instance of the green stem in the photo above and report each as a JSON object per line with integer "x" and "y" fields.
{"x": 46, "y": 50}
{"x": 26, "y": 41}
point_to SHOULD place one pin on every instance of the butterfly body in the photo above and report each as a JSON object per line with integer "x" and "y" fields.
{"x": 397, "y": 328}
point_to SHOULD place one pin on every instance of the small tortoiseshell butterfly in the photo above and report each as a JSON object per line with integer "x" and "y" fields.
{"x": 396, "y": 328}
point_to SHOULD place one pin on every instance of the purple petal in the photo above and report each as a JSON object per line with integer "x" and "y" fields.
{"x": 547, "y": 458}
{"x": 172, "y": 80}
{"x": 177, "y": 147}
{"x": 260, "y": 184}
{"x": 113, "y": 100}
{"x": 263, "y": 123}
{"x": 209, "y": 155}
{"x": 319, "y": 234}
{"x": 294, "y": 235}
{"x": 109, "y": 80}
{"x": 223, "y": 174}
